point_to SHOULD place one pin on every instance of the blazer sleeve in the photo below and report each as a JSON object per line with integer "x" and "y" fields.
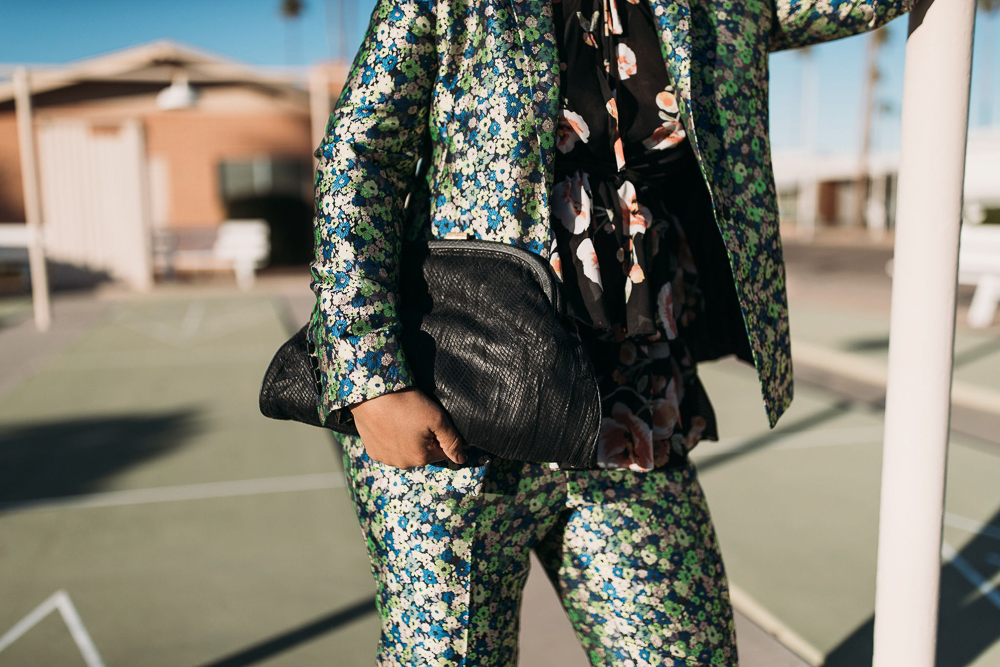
{"x": 367, "y": 163}
{"x": 798, "y": 23}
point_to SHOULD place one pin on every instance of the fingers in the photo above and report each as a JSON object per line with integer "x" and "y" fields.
{"x": 406, "y": 429}
{"x": 406, "y": 458}
{"x": 449, "y": 440}
{"x": 404, "y": 450}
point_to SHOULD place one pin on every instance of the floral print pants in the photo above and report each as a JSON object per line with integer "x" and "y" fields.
{"x": 633, "y": 556}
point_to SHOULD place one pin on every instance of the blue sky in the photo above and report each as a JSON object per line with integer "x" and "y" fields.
{"x": 55, "y": 31}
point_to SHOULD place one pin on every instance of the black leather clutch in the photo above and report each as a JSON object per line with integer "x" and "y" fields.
{"x": 483, "y": 329}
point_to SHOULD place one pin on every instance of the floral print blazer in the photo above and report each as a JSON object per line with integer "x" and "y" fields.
{"x": 468, "y": 90}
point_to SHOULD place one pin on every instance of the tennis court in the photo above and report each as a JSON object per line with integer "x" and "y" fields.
{"x": 150, "y": 516}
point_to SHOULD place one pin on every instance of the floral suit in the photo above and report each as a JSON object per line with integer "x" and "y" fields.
{"x": 470, "y": 91}
{"x": 473, "y": 87}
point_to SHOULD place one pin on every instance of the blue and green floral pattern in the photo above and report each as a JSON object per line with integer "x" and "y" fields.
{"x": 474, "y": 87}
{"x": 633, "y": 557}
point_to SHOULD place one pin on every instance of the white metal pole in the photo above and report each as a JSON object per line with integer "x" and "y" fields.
{"x": 922, "y": 331}
{"x": 32, "y": 200}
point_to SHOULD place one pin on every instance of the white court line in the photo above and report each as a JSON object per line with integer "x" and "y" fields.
{"x": 774, "y": 626}
{"x": 236, "y": 354}
{"x": 244, "y": 487}
{"x": 874, "y": 372}
{"x": 58, "y": 601}
{"x": 970, "y": 573}
{"x": 192, "y": 319}
{"x": 194, "y": 327}
{"x": 971, "y": 525}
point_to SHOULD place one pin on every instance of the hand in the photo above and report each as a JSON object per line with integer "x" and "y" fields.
{"x": 406, "y": 429}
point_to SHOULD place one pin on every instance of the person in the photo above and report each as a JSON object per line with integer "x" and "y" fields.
{"x": 627, "y": 142}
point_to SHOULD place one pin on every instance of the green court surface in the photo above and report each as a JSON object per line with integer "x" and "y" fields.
{"x": 977, "y": 353}
{"x": 157, "y": 398}
{"x": 797, "y": 514}
{"x": 14, "y": 309}
{"x": 137, "y": 476}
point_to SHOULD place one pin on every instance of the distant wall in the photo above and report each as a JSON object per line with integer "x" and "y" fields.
{"x": 185, "y": 146}
{"x": 190, "y": 147}
{"x": 11, "y": 195}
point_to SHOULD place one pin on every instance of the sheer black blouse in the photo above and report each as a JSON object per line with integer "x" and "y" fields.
{"x": 624, "y": 175}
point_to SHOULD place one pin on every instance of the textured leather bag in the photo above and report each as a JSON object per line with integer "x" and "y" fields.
{"x": 483, "y": 331}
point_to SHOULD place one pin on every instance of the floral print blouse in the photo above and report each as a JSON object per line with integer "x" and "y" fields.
{"x": 624, "y": 169}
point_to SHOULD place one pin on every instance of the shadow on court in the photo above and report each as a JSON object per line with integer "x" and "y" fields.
{"x": 968, "y": 624}
{"x": 976, "y": 353}
{"x": 75, "y": 456}
{"x": 769, "y": 438}
{"x": 962, "y": 358}
{"x": 875, "y": 344}
{"x": 286, "y": 641}
{"x": 9, "y": 320}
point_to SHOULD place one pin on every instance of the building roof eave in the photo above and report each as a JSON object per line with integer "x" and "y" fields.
{"x": 155, "y": 62}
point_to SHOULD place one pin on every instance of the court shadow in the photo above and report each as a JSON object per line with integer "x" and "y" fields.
{"x": 976, "y": 353}
{"x": 75, "y": 456}
{"x": 875, "y": 344}
{"x": 969, "y": 621}
{"x": 272, "y": 646}
{"x": 880, "y": 343}
{"x": 769, "y": 438}
{"x": 13, "y": 319}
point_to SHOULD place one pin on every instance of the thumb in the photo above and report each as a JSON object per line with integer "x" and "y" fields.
{"x": 450, "y": 440}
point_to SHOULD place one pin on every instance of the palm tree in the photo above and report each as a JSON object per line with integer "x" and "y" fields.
{"x": 291, "y": 11}
{"x": 987, "y": 7}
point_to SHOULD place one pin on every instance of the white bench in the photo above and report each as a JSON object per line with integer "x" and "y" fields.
{"x": 979, "y": 265}
{"x": 240, "y": 245}
{"x": 14, "y": 241}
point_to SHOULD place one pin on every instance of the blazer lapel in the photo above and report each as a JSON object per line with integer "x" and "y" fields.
{"x": 674, "y": 20}
{"x": 538, "y": 40}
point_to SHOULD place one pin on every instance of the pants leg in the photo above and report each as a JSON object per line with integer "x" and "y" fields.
{"x": 637, "y": 566}
{"x": 449, "y": 548}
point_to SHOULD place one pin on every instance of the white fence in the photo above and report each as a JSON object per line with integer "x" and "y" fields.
{"x": 94, "y": 195}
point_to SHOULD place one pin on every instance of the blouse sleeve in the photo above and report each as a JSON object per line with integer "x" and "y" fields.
{"x": 367, "y": 162}
{"x": 798, "y": 23}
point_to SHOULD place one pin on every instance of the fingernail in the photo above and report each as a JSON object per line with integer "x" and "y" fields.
{"x": 461, "y": 457}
